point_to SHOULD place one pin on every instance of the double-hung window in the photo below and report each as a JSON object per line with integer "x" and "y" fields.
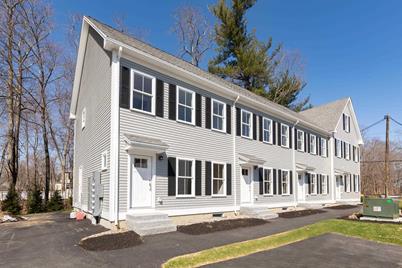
{"x": 246, "y": 124}
{"x": 313, "y": 182}
{"x": 185, "y": 177}
{"x": 347, "y": 151}
{"x": 285, "y": 135}
{"x": 346, "y": 123}
{"x": 300, "y": 140}
{"x": 218, "y": 179}
{"x": 313, "y": 144}
{"x": 185, "y": 105}
{"x": 324, "y": 184}
{"x": 83, "y": 117}
{"x": 356, "y": 181}
{"x": 285, "y": 182}
{"x": 104, "y": 160}
{"x": 354, "y": 153}
{"x": 347, "y": 181}
{"x": 218, "y": 115}
{"x": 267, "y": 130}
{"x": 142, "y": 92}
{"x": 323, "y": 147}
{"x": 338, "y": 146}
{"x": 268, "y": 182}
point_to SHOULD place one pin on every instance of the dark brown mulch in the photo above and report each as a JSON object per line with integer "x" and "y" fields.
{"x": 300, "y": 213}
{"x": 111, "y": 241}
{"x": 342, "y": 207}
{"x": 216, "y": 226}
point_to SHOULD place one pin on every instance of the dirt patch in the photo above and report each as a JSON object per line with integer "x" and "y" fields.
{"x": 300, "y": 213}
{"x": 221, "y": 225}
{"x": 111, "y": 241}
{"x": 342, "y": 207}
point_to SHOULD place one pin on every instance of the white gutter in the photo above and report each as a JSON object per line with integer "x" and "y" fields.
{"x": 294, "y": 164}
{"x": 234, "y": 175}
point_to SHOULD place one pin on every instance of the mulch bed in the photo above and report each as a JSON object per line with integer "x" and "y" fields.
{"x": 111, "y": 241}
{"x": 221, "y": 225}
{"x": 342, "y": 207}
{"x": 300, "y": 213}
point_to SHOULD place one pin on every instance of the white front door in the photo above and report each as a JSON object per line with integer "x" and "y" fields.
{"x": 141, "y": 182}
{"x": 245, "y": 186}
{"x": 300, "y": 186}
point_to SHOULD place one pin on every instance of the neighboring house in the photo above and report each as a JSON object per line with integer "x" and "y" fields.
{"x": 169, "y": 137}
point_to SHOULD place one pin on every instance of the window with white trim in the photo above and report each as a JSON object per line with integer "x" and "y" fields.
{"x": 218, "y": 179}
{"x": 285, "y": 135}
{"x": 324, "y": 184}
{"x": 246, "y": 124}
{"x": 285, "y": 182}
{"x": 357, "y": 184}
{"x": 83, "y": 117}
{"x": 267, "y": 130}
{"x": 104, "y": 160}
{"x": 313, "y": 144}
{"x": 185, "y": 177}
{"x": 347, "y": 151}
{"x": 268, "y": 181}
{"x": 323, "y": 147}
{"x": 142, "y": 92}
{"x": 354, "y": 154}
{"x": 346, "y": 123}
{"x": 338, "y": 146}
{"x": 185, "y": 105}
{"x": 218, "y": 115}
{"x": 347, "y": 180}
{"x": 313, "y": 181}
{"x": 300, "y": 140}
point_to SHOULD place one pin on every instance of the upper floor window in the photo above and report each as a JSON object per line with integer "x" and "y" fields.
{"x": 323, "y": 147}
{"x": 185, "y": 177}
{"x": 338, "y": 148}
{"x": 300, "y": 140}
{"x": 268, "y": 182}
{"x": 185, "y": 105}
{"x": 285, "y": 135}
{"x": 267, "y": 130}
{"x": 83, "y": 117}
{"x": 246, "y": 124}
{"x": 313, "y": 144}
{"x": 218, "y": 179}
{"x": 346, "y": 122}
{"x": 104, "y": 160}
{"x": 285, "y": 182}
{"x": 142, "y": 92}
{"x": 347, "y": 151}
{"x": 218, "y": 115}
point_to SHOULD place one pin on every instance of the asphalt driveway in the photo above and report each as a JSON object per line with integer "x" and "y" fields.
{"x": 52, "y": 242}
{"x": 327, "y": 251}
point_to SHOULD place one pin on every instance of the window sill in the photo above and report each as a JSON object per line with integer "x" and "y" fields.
{"x": 285, "y": 194}
{"x": 249, "y": 138}
{"x": 285, "y": 146}
{"x": 185, "y": 196}
{"x": 218, "y": 196}
{"x": 142, "y": 112}
{"x": 267, "y": 142}
{"x": 268, "y": 195}
{"x": 219, "y": 131}
{"x": 301, "y": 150}
{"x": 185, "y": 122}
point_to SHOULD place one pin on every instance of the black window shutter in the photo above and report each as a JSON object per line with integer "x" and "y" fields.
{"x": 349, "y": 123}
{"x": 326, "y": 147}
{"x": 308, "y": 143}
{"x": 320, "y": 185}
{"x": 291, "y": 182}
{"x": 305, "y": 142}
{"x": 207, "y": 178}
{"x": 254, "y": 127}
{"x": 309, "y": 182}
{"x": 198, "y": 179}
{"x": 238, "y": 121}
{"x": 260, "y": 179}
{"x": 171, "y": 176}
{"x": 279, "y": 133}
{"x": 273, "y": 132}
{"x": 317, "y": 141}
{"x": 319, "y": 146}
{"x": 327, "y": 184}
{"x": 336, "y": 146}
{"x": 344, "y": 149}
{"x": 295, "y": 138}
{"x": 279, "y": 181}
{"x": 125, "y": 88}
{"x": 207, "y": 112}
{"x": 344, "y": 183}
{"x": 198, "y": 110}
{"x": 354, "y": 183}
{"x": 350, "y": 148}
{"x": 274, "y": 179}
{"x": 260, "y": 127}
{"x": 159, "y": 98}
{"x": 344, "y": 121}
{"x": 228, "y": 119}
{"x": 228, "y": 179}
{"x": 172, "y": 102}
{"x": 290, "y": 137}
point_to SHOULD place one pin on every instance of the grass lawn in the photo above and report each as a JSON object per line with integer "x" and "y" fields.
{"x": 386, "y": 233}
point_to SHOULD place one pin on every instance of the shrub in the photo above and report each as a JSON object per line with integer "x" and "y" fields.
{"x": 12, "y": 202}
{"x": 35, "y": 202}
{"x": 400, "y": 204}
{"x": 55, "y": 202}
{"x": 69, "y": 203}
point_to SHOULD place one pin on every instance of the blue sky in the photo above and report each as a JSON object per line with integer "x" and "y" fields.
{"x": 349, "y": 47}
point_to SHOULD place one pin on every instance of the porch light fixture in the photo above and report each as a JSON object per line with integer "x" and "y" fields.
{"x": 160, "y": 156}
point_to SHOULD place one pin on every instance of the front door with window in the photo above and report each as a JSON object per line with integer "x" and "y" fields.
{"x": 245, "y": 192}
{"x": 141, "y": 183}
{"x": 301, "y": 186}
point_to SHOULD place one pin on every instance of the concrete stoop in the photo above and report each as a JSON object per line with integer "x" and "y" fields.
{"x": 150, "y": 223}
{"x": 258, "y": 212}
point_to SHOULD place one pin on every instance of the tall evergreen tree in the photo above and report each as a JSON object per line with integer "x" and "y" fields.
{"x": 244, "y": 60}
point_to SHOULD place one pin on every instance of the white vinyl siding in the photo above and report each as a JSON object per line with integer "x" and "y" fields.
{"x": 313, "y": 144}
{"x": 185, "y": 177}
{"x": 142, "y": 92}
{"x": 300, "y": 140}
{"x": 268, "y": 181}
{"x": 218, "y": 179}
{"x": 185, "y": 105}
{"x": 285, "y": 182}
{"x": 285, "y": 136}
{"x": 218, "y": 116}
{"x": 267, "y": 130}
{"x": 246, "y": 124}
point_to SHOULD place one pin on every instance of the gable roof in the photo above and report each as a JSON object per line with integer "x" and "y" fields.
{"x": 116, "y": 40}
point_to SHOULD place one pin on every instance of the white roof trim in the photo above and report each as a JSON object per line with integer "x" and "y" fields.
{"x": 354, "y": 119}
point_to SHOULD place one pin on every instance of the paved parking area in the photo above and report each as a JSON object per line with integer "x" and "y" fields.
{"x": 52, "y": 241}
{"x": 329, "y": 251}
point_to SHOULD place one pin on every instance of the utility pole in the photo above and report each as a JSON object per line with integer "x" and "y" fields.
{"x": 386, "y": 155}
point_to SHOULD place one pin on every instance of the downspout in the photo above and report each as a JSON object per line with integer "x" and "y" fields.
{"x": 332, "y": 166}
{"x": 234, "y": 153}
{"x": 118, "y": 144}
{"x": 294, "y": 164}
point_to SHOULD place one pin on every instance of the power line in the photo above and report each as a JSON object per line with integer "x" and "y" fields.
{"x": 396, "y": 122}
{"x": 372, "y": 125}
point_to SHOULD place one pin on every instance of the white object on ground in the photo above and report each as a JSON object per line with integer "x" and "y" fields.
{"x": 7, "y": 218}
{"x": 73, "y": 215}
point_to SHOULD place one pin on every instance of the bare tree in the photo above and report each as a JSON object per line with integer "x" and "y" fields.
{"x": 119, "y": 21}
{"x": 193, "y": 32}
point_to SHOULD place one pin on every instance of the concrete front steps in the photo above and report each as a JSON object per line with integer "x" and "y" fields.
{"x": 149, "y": 223}
{"x": 258, "y": 212}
